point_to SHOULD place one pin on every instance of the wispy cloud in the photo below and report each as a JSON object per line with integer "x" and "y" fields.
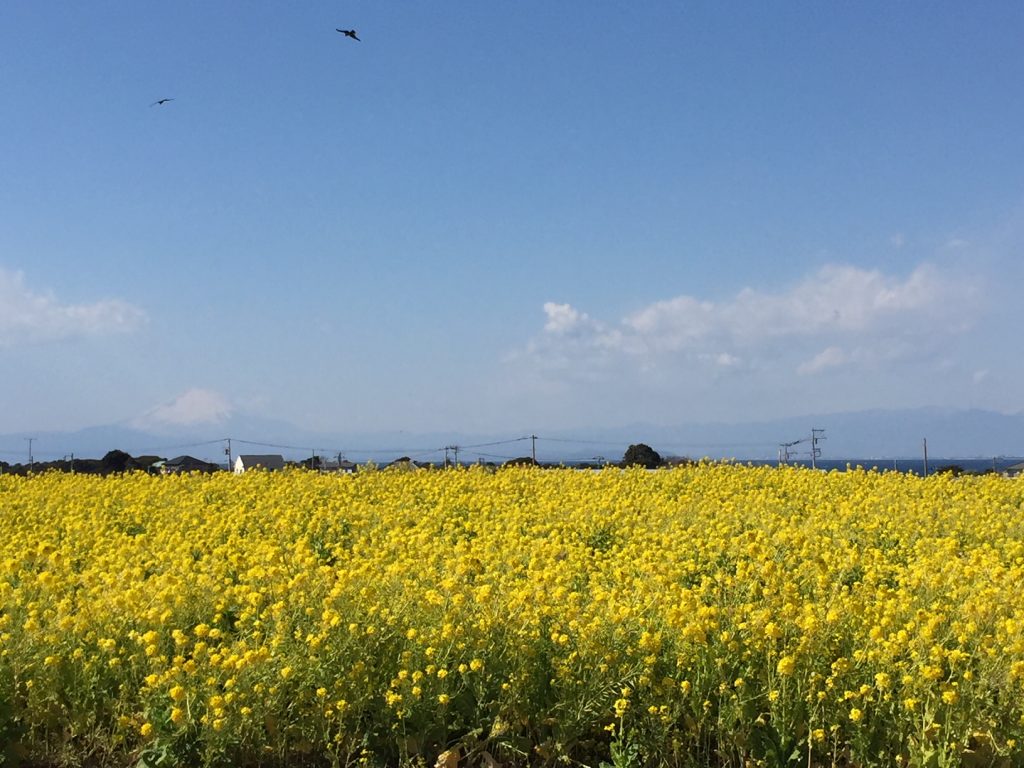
{"x": 29, "y": 316}
{"x": 564, "y": 320}
{"x": 836, "y": 299}
{"x": 830, "y": 357}
{"x": 836, "y": 317}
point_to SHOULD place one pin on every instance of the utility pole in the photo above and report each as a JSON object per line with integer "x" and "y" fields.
{"x": 31, "y": 461}
{"x": 533, "y": 450}
{"x": 228, "y": 452}
{"x": 925, "y": 442}
{"x": 72, "y": 463}
{"x": 815, "y": 450}
{"x": 454, "y": 448}
{"x": 784, "y": 450}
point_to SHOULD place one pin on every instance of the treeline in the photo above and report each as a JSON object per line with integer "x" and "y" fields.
{"x": 112, "y": 463}
{"x": 116, "y": 461}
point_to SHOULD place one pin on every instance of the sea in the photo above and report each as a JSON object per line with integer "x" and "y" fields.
{"x": 973, "y": 465}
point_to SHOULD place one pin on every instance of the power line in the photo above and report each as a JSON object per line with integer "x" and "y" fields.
{"x": 814, "y": 452}
{"x": 492, "y": 456}
{"x": 182, "y": 446}
{"x": 336, "y": 450}
{"x": 498, "y": 442}
{"x": 580, "y": 442}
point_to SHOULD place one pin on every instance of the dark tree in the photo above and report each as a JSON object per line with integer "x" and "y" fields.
{"x": 642, "y": 455}
{"x": 118, "y": 461}
{"x": 522, "y": 461}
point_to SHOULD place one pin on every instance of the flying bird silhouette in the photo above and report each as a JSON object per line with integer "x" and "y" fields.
{"x": 348, "y": 33}
{"x": 160, "y": 103}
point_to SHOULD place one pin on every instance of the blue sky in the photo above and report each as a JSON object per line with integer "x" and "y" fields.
{"x": 507, "y": 216}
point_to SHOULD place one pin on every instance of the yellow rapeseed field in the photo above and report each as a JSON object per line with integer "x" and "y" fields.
{"x": 714, "y": 615}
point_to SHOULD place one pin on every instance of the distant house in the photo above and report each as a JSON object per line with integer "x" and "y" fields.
{"x": 1014, "y": 470}
{"x": 269, "y": 461}
{"x": 405, "y": 463}
{"x": 333, "y": 465}
{"x": 186, "y": 464}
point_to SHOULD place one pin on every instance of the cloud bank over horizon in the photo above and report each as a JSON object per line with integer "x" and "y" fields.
{"x": 840, "y": 315}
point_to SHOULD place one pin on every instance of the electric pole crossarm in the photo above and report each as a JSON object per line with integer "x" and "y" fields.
{"x": 816, "y": 437}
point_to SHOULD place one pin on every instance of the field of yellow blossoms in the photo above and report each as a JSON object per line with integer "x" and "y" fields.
{"x": 714, "y": 615}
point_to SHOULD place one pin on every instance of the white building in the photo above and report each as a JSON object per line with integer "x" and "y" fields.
{"x": 268, "y": 461}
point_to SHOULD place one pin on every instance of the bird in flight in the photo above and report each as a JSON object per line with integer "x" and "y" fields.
{"x": 160, "y": 103}
{"x": 349, "y": 33}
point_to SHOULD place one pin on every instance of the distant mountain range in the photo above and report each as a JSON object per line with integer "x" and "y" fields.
{"x": 874, "y": 434}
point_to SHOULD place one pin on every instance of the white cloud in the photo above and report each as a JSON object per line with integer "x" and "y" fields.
{"x": 563, "y": 319}
{"x": 835, "y": 299}
{"x": 852, "y": 316}
{"x": 721, "y": 359}
{"x": 830, "y": 357}
{"x": 194, "y": 407}
{"x": 981, "y": 375}
{"x": 29, "y": 316}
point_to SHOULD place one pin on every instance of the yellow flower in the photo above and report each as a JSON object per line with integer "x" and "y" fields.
{"x": 109, "y": 577}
